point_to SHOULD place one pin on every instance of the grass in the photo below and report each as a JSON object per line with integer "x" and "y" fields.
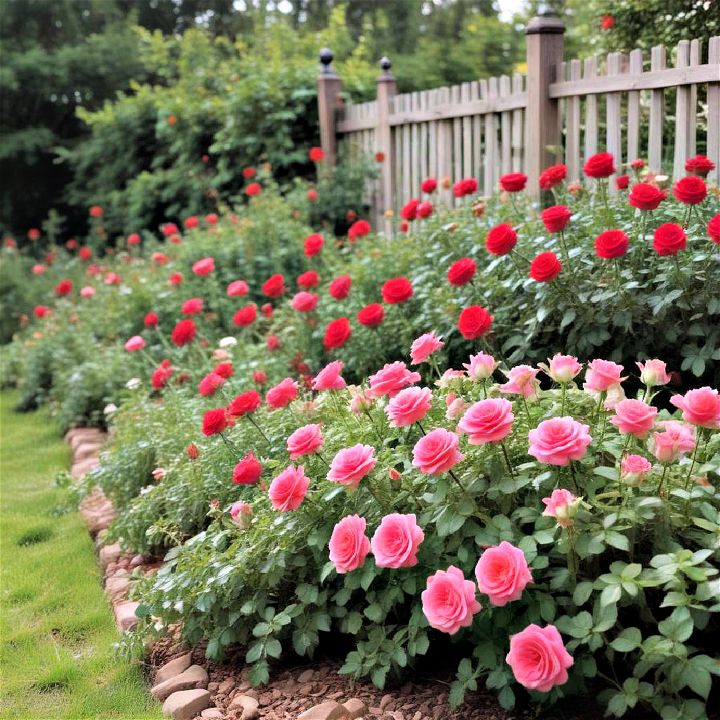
{"x": 56, "y": 628}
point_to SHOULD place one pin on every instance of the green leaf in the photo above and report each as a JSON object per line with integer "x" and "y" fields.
{"x": 506, "y": 698}
{"x": 582, "y": 592}
{"x": 254, "y": 652}
{"x": 378, "y": 677}
{"x": 273, "y": 648}
{"x": 617, "y": 540}
{"x": 610, "y": 595}
{"x": 629, "y": 639}
{"x": 374, "y": 612}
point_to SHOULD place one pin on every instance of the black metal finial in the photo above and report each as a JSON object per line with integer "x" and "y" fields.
{"x": 385, "y": 63}
{"x": 326, "y": 58}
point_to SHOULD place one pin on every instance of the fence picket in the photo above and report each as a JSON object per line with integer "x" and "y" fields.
{"x": 572, "y": 141}
{"x": 445, "y": 148}
{"x": 713, "y": 102}
{"x": 407, "y": 183}
{"x": 591, "y": 111}
{"x": 657, "y": 113}
{"x": 633, "y": 123}
{"x": 614, "y": 120}
{"x": 424, "y": 149}
{"x": 456, "y": 136}
{"x": 414, "y": 148}
{"x": 682, "y": 113}
{"x": 505, "y": 129}
{"x": 518, "y": 128}
{"x": 695, "y": 53}
{"x": 476, "y": 132}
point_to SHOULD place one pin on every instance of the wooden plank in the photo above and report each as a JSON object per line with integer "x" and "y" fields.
{"x": 591, "y": 110}
{"x": 398, "y": 152}
{"x": 407, "y": 183}
{"x": 423, "y": 166}
{"x": 445, "y": 148}
{"x": 466, "y": 133}
{"x": 713, "y": 102}
{"x": 476, "y": 131}
{"x": 695, "y": 53}
{"x": 505, "y": 89}
{"x": 670, "y": 77}
{"x": 432, "y": 137}
{"x": 572, "y": 140}
{"x": 457, "y": 136}
{"x": 491, "y": 174}
{"x": 415, "y": 149}
{"x": 657, "y": 113}
{"x": 633, "y": 123}
{"x": 614, "y": 119}
{"x": 682, "y": 113}
{"x": 486, "y": 181}
{"x": 518, "y": 128}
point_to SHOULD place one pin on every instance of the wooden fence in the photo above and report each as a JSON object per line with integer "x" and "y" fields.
{"x": 559, "y": 111}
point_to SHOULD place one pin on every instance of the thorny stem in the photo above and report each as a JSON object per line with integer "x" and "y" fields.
{"x": 662, "y": 480}
{"x": 259, "y": 429}
{"x": 507, "y": 458}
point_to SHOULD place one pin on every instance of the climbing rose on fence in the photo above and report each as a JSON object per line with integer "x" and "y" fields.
{"x": 538, "y": 658}
{"x": 448, "y": 601}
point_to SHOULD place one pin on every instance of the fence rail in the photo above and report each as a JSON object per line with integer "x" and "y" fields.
{"x": 560, "y": 111}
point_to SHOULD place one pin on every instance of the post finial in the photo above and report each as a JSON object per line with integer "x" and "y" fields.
{"x": 385, "y": 63}
{"x": 326, "y": 58}
{"x": 546, "y": 23}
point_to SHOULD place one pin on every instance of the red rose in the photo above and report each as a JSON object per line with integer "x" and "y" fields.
{"x": 210, "y": 384}
{"x": 501, "y": 239}
{"x": 429, "y": 186}
{"x": 308, "y": 279}
{"x": 168, "y": 229}
{"x": 64, "y": 287}
{"x": 192, "y": 306}
{"x": 267, "y": 310}
{"x": 699, "y": 165}
{"x": 316, "y": 154}
{"x": 607, "y": 22}
{"x": 71, "y": 244}
{"x": 33, "y": 234}
{"x": 552, "y": 176}
{"x": 371, "y": 315}
{"x": 611, "y": 244}
{"x": 339, "y": 288}
{"x": 360, "y": 228}
{"x": 274, "y": 286}
{"x": 259, "y": 377}
{"x": 176, "y": 278}
{"x": 96, "y": 211}
{"x": 669, "y": 239}
{"x": 312, "y": 195}
{"x": 244, "y": 403}
{"x": 513, "y": 182}
{"x": 645, "y": 196}
{"x": 211, "y": 219}
{"x": 462, "y": 271}
{"x": 622, "y": 182}
{"x": 556, "y": 218}
{"x": 337, "y": 333}
{"x": 409, "y": 210}
{"x": 690, "y": 190}
{"x": 313, "y": 244}
{"x": 474, "y": 321}
{"x": 204, "y": 267}
{"x": 637, "y": 164}
{"x": 151, "y": 320}
{"x": 245, "y": 316}
{"x": 404, "y": 226}
{"x": 424, "y": 210}
{"x": 601, "y": 165}
{"x": 133, "y": 239}
{"x": 183, "y": 332}
{"x": 224, "y": 370}
{"x": 713, "y": 229}
{"x": 192, "y": 451}
{"x": 214, "y": 421}
{"x": 396, "y": 291}
{"x": 273, "y": 342}
{"x": 247, "y": 471}
{"x": 466, "y": 186}
{"x": 85, "y": 253}
{"x": 41, "y": 311}
{"x": 191, "y": 222}
{"x": 249, "y": 173}
{"x": 162, "y": 375}
{"x": 545, "y": 267}
{"x": 253, "y": 189}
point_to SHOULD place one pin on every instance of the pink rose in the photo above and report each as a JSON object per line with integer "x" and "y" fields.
{"x": 423, "y": 347}
{"x": 448, "y": 601}
{"x": 602, "y": 374}
{"x": 559, "y": 440}
{"x": 455, "y": 406}
{"x": 448, "y": 376}
{"x": 238, "y": 288}
{"x": 329, "y": 377}
{"x": 392, "y": 379}
{"x": 241, "y": 512}
{"x": 361, "y": 400}
{"x": 304, "y": 441}
{"x": 351, "y": 465}
{"x": 538, "y": 658}
{"x": 348, "y": 544}
{"x": 634, "y": 469}
{"x": 521, "y": 381}
{"x": 436, "y": 452}
{"x": 699, "y": 407}
{"x": 653, "y": 372}
{"x": 481, "y": 366}
{"x": 675, "y": 440}
{"x": 288, "y": 489}
{"x": 304, "y": 301}
{"x": 502, "y": 573}
{"x": 282, "y": 394}
{"x": 487, "y": 421}
{"x": 562, "y": 368}
{"x": 135, "y": 343}
{"x": 634, "y": 417}
{"x": 87, "y": 292}
{"x": 204, "y": 266}
{"x": 408, "y": 406}
{"x": 396, "y": 541}
{"x": 562, "y": 505}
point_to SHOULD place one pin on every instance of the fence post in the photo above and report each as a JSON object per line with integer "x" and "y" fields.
{"x": 386, "y": 90}
{"x": 544, "y": 47}
{"x": 329, "y": 86}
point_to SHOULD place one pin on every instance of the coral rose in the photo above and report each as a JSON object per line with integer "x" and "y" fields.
{"x": 391, "y": 379}
{"x": 538, "y": 658}
{"x": 238, "y": 288}
{"x": 502, "y": 573}
{"x": 559, "y": 440}
{"x": 408, "y": 406}
{"x": 487, "y": 421}
{"x": 448, "y": 601}
{"x": 351, "y": 465}
{"x": 349, "y": 546}
{"x": 304, "y": 301}
{"x": 396, "y": 541}
{"x": 288, "y": 489}
{"x": 204, "y": 266}
{"x": 135, "y": 343}
{"x": 437, "y": 452}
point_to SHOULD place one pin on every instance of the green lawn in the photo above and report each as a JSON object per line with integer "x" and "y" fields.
{"x": 56, "y": 627}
